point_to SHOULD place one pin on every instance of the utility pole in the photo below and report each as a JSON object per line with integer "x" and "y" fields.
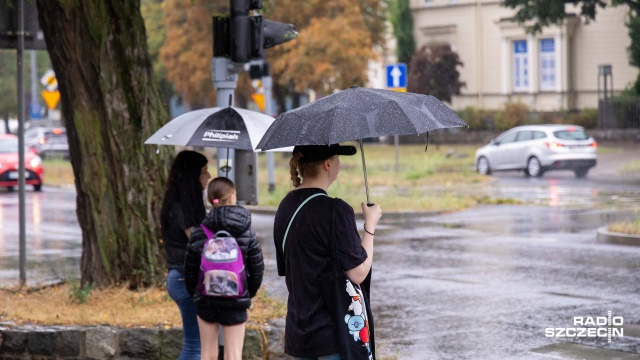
{"x": 21, "y": 168}
{"x": 238, "y": 39}
{"x": 267, "y": 83}
{"x": 20, "y": 30}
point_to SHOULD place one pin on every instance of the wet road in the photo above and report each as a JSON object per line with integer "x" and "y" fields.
{"x": 53, "y": 236}
{"x": 479, "y": 284}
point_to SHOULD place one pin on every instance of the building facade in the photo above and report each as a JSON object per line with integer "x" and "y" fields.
{"x": 553, "y": 70}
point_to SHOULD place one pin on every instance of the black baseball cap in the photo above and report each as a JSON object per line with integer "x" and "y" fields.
{"x": 311, "y": 153}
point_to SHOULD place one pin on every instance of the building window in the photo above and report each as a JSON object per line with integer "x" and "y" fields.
{"x": 520, "y": 66}
{"x": 428, "y": 2}
{"x": 547, "y": 65}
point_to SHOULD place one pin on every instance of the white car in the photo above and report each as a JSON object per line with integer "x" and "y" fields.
{"x": 536, "y": 149}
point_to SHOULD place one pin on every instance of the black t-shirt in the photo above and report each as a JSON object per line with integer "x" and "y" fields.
{"x": 309, "y": 327}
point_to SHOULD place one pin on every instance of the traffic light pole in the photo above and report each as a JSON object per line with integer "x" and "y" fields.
{"x": 224, "y": 74}
{"x": 267, "y": 84}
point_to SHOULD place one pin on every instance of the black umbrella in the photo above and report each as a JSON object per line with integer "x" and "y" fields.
{"x": 356, "y": 114}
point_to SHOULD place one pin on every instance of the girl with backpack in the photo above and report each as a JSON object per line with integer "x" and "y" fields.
{"x": 218, "y": 300}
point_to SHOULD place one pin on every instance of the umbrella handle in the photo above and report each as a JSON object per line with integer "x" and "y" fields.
{"x": 364, "y": 168}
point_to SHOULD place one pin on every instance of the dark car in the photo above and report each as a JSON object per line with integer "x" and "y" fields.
{"x": 47, "y": 141}
{"x": 9, "y": 164}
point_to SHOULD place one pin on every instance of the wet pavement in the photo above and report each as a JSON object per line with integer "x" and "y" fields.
{"x": 484, "y": 283}
{"x": 53, "y": 236}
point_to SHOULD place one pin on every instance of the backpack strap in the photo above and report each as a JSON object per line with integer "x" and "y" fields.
{"x": 207, "y": 232}
{"x": 284, "y": 240}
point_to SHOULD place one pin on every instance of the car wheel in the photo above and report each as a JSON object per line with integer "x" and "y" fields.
{"x": 10, "y": 188}
{"x": 37, "y": 187}
{"x": 581, "y": 172}
{"x": 483, "y": 167}
{"x": 534, "y": 168}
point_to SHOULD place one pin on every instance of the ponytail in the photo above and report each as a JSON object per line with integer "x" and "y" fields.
{"x": 293, "y": 169}
{"x": 300, "y": 171}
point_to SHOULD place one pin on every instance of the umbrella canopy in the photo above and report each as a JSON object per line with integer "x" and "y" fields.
{"x": 356, "y": 114}
{"x": 359, "y": 113}
{"x": 228, "y": 127}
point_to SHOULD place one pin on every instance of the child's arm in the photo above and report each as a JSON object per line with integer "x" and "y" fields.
{"x": 254, "y": 263}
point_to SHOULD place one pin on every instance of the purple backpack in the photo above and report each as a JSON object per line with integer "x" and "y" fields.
{"x": 222, "y": 272}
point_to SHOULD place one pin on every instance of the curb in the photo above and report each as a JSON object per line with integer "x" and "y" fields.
{"x": 608, "y": 237}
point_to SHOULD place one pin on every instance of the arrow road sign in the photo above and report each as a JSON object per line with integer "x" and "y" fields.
{"x": 397, "y": 76}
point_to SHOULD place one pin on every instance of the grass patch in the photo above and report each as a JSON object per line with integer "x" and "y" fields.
{"x": 118, "y": 306}
{"x": 57, "y": 171}
{"x": 632, "y": 167}
{"x": 631, "y": 227}
{"x": 403, "y": 189}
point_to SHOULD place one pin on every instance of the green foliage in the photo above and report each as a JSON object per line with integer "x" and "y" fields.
{"x": 9, "y": 79}
{"x": 156, "y": 33}
{"x": 514, "y": 114}
{"x": 434, "y": 71}
{"x": 402, "y": 20}
{"x": 80, "y": 294}
{"x": 477, "y": 119}
{"x": 517, "y": 114}
{"x": 633, "y": 25}
{"x": 544, "y": 13}
{"x": 587, "y": 118}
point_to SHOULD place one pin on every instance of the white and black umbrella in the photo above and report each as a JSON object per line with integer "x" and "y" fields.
{"x": 359, "y": 113}
{"x": 228, "y": 127}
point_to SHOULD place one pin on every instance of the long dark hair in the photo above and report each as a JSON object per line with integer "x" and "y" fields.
{"x": 184, "y": 190}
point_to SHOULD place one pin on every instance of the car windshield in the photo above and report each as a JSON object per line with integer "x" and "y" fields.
{"x": 8, "y": 145}
{"x": 571, "y": 134}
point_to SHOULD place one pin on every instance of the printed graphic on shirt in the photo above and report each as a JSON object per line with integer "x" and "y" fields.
{"x": 356, "y": 318}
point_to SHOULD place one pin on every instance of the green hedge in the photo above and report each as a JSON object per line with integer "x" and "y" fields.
{"x": 516, "y": 114}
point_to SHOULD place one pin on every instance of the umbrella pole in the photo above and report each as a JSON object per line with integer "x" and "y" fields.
{"x": 227, "y": 174}
{"x": 364, "y": 168}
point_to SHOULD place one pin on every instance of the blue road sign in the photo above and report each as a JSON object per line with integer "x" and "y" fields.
{"x": 397, "y": 76}
{"x": 35, "y": 111}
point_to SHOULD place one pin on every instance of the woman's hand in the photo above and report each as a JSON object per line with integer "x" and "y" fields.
{"x": 371, "y": 215}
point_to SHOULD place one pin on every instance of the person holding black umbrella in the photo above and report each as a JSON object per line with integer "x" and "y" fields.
{"x": 325, "y": 262}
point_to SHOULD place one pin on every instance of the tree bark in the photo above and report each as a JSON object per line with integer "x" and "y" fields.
{"x": 111, "y": 103}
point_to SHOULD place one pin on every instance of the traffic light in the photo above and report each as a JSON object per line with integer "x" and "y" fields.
{"x": 33, "y": 39}
{"x": 250, "y": 35}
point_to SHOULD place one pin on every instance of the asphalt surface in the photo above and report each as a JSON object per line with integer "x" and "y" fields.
{"x": 484, "y": 283}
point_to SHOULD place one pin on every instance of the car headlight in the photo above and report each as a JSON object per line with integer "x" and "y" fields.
{"x": 35, "y": 162}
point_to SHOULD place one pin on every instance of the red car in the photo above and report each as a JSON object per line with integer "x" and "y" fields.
{"x": 9, "y": 164}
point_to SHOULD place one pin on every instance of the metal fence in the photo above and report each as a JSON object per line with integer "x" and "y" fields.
{"x": 619, "y": 113}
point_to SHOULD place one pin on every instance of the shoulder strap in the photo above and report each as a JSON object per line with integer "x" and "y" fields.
{"x": 284, "y": 239}
{"x": 207, "y": 232}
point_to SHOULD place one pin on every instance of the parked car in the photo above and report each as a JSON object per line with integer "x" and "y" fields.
{"x": 47, "y": 141}
{"x": 9, "y": 164}
{"x": 536, "y": 149}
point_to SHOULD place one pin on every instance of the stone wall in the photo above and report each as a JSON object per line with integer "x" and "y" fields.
{"x": 112, "y": 343}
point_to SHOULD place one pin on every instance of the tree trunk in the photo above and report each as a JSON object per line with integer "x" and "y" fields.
{"x": 111, "y": 103}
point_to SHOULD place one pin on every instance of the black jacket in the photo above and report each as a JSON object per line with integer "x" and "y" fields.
{"x": 237, "y": 221}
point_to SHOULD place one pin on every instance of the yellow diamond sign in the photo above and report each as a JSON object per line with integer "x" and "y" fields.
{"x": 51, "y": 98}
